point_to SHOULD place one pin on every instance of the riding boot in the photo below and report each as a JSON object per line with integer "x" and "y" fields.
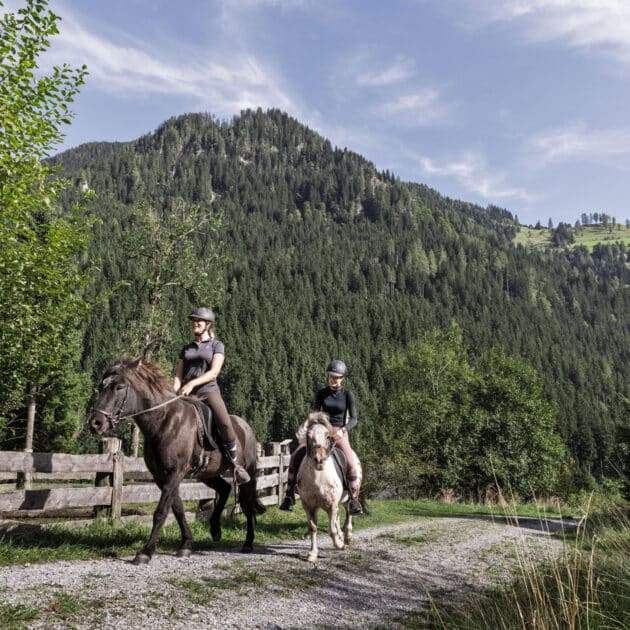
{"x": 354, "y": 505}
{"x": 240, "y": 474}
{"x": 289, "y": 498}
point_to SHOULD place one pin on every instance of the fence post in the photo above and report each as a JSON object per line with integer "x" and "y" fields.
{"x": 275, "y": 450}
{"x": 110, "y": 446}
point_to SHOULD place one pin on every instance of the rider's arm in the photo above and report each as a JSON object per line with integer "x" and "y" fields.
{"x": 179, "y": 373}
{"x": 351, "y": 412}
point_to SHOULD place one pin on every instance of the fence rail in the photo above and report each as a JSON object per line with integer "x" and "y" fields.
{"x": 109, "y": 480}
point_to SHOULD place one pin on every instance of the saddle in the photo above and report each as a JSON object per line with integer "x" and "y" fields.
{"x": 207, "y": 435}
{"x": 341, "y": 464}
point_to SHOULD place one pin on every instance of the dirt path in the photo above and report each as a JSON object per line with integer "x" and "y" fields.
{"x": 386, "y": 574}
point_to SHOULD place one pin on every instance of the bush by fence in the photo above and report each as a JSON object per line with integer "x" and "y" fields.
{"x": 110, "y": 480}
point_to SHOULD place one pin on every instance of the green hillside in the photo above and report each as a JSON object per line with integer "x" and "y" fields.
{"x": 327, "y": 257}
{"x": 584, "y": 236}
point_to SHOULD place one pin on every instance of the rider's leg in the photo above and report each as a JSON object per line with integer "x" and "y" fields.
{"x": 226, "y": 431}
{"x": 294, "y": 465}
{"x": 354, "y": 505}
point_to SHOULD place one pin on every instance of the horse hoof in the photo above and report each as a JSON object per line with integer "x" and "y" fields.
{"x": 184, "y": 553}
{"x": 247, "y": 548}
{"x": 312, "y": 557}
{"x": 215, "y": 532}
{"x": 141, "y": 558}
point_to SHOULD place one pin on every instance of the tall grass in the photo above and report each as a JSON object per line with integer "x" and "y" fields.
{"x": 588, "y": 586}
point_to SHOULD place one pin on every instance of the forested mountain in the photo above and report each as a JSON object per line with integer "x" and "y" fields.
{"x": 325, "y": 257}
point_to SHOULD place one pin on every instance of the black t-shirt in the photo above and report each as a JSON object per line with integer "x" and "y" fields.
{"x": 339, "y": 405}
{"x": 197, "y": 358}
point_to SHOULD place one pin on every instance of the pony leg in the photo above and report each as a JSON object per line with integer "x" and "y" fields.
{"x": 347, "y": 526}
{"x": 311, "y": 515}
{"x": 334, "y": 529}
{"x": 169, "y": 490}
{"x": 248, "y": 502}
{"x": 185, "y": 549}
{"x": 222, "y": 488}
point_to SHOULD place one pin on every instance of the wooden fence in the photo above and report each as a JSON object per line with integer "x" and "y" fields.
{"x": 110, "y": 480}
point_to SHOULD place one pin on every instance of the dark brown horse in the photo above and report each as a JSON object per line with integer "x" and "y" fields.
{"x": 139, "y": 390}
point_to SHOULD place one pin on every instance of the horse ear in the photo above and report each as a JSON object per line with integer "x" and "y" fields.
{"x": 300, "y": 434}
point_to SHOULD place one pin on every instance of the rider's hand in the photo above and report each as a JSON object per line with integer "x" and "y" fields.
{"x": 184, "y": 390}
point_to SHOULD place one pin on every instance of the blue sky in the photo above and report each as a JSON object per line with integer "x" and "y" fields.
{"x": 518, "y": 103}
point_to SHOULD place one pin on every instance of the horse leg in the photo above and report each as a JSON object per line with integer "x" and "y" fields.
{"x": 222, "y": 488}
{"x": 347, "y": 526}
{"x": 334, "y": 528}
{"x": 169, "y": 489}
{"x": 185, "y": 549}
{"x": 247, "y": 500}
{"x": 311, "y": 515}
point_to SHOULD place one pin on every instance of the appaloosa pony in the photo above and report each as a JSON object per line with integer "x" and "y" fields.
{"x": 169, "y": 423}
{"x": 320, "y": 483}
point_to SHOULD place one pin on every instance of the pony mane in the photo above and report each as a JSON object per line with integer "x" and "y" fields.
{"x": 140, "y": 373}
{"x": 316, "y": 417}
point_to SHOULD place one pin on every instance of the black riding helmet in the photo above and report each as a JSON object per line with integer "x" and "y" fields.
{"x": 337, "y": 367}
{"x": 202, "y": 312}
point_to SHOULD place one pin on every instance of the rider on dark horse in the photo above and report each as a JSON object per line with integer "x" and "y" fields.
{"x": 338, "y": 402}
{"x": 199, "y": 365}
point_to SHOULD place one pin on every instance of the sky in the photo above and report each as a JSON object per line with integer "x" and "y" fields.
{"x": 521, "y": 104}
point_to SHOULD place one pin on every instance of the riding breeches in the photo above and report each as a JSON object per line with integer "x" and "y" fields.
{"x": 220, "y": 415}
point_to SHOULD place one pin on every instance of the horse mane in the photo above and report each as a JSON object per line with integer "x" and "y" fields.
{"x": 140, "y": 373}
{"x": 316, "y": 417}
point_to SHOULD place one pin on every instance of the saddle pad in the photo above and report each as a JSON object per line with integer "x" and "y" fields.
{"x": 205, "y": 426}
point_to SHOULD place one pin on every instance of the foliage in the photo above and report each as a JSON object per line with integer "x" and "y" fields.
{"x": 41, "y": 279}
{"x": 467, "y": 426}
{"x": 160, "y": 248}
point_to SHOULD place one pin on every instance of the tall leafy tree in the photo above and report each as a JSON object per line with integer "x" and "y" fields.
{"x": 41, "y": 282}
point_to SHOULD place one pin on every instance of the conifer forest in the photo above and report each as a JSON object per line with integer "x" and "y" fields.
{"x": 472, "y": 359}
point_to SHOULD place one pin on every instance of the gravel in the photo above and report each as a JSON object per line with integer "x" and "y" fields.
{"x": 385, "y": 574}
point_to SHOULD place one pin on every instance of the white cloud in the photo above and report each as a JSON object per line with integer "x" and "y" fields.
{"x": 400, "y": 70}
{"x": 472, "y": 173}
{"x": 577, "y": 142}
{"x": 416, "y": 109}
{"x": 225, "y": 85}
{"x": 602, "y": 25}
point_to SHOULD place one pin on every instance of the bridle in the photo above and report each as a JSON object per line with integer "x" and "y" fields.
{"x": 116, "y": 417}
{"x": 329, "y": 448}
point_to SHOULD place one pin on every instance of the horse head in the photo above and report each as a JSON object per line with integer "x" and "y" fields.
{"x": 116, "y": 398}
{"x": 319, "y": 438}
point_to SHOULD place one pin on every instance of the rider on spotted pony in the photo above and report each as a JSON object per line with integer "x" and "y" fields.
{"x": 339, "y": 403}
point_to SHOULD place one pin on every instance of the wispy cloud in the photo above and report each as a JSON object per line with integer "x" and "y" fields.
{"x": 421, "y": 108}
{"x": 227, "y": 84}
{"x": 602, "y": 25}
{"x": 400, "y": 70}
{"x": 472, "y": 173}
{"x": 577, "y": 142}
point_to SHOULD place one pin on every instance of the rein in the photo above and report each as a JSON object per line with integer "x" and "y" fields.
{"x": 116, "y": 417}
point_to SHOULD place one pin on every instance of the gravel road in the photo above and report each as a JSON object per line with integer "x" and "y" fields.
{"x": 385, "y": 574}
